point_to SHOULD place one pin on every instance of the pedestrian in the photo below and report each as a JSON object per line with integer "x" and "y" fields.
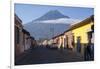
{"x": 85, "y": 53}
{"x": 89, "y": 52}
{"x": 78, "y": 44}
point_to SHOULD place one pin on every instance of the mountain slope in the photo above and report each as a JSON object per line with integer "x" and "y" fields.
{"x": 53, "y": 14}
{"x": 50, "y": 24}
{"x": 43, "y": 30}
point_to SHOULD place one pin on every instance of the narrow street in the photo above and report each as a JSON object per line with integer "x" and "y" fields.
{"x": 52, "y": 36}
{"x": 42, "y": 55}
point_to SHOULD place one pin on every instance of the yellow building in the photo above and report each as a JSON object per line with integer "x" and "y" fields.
{"x": 80, "y": 32}
{"x": 77, "y": 37}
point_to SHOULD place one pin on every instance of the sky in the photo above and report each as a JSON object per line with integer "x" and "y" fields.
{"x": 30, "y": 12}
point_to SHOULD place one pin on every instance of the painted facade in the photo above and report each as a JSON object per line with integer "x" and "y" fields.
{"x": 58, "y": 41}
{"x": 80, "y": 33}
{"x": 68, "y": 39}
{"x": 77, "y": 36}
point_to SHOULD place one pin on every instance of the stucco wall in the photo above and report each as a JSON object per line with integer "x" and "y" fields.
{"x": 82, "y": 32}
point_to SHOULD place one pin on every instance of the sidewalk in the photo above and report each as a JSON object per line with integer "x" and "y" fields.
{"x": 22, "y": 56}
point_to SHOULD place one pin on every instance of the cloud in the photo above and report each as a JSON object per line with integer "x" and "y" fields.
{"x": 61, "y": 20}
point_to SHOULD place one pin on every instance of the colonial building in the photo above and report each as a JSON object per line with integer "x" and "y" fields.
{"x": 33, "y": 42}
{"x": 26, "y": 39}
{"x": 18, "y": 40}
{"x": 45, "y": 42}
{"x": 77, "y": 36}
{"x": 50, "y": 42}
{"x": 68, "y": 39}
{"x": 23, "y": 40}
{"x": 81, "y": 32}
{"x": 58, "y": 41}
{"x": 64, "y": 40}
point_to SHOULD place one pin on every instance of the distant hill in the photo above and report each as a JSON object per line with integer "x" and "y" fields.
{"x": 51, "y": 15}
{"x": 50, "y": 24}
{"x": 43, "y": 30}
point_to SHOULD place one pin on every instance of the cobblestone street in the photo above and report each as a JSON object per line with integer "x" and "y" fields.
{"x": 42, "y": 55}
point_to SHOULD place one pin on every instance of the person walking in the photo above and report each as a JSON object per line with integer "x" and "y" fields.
{"x": 79, "y": 44}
